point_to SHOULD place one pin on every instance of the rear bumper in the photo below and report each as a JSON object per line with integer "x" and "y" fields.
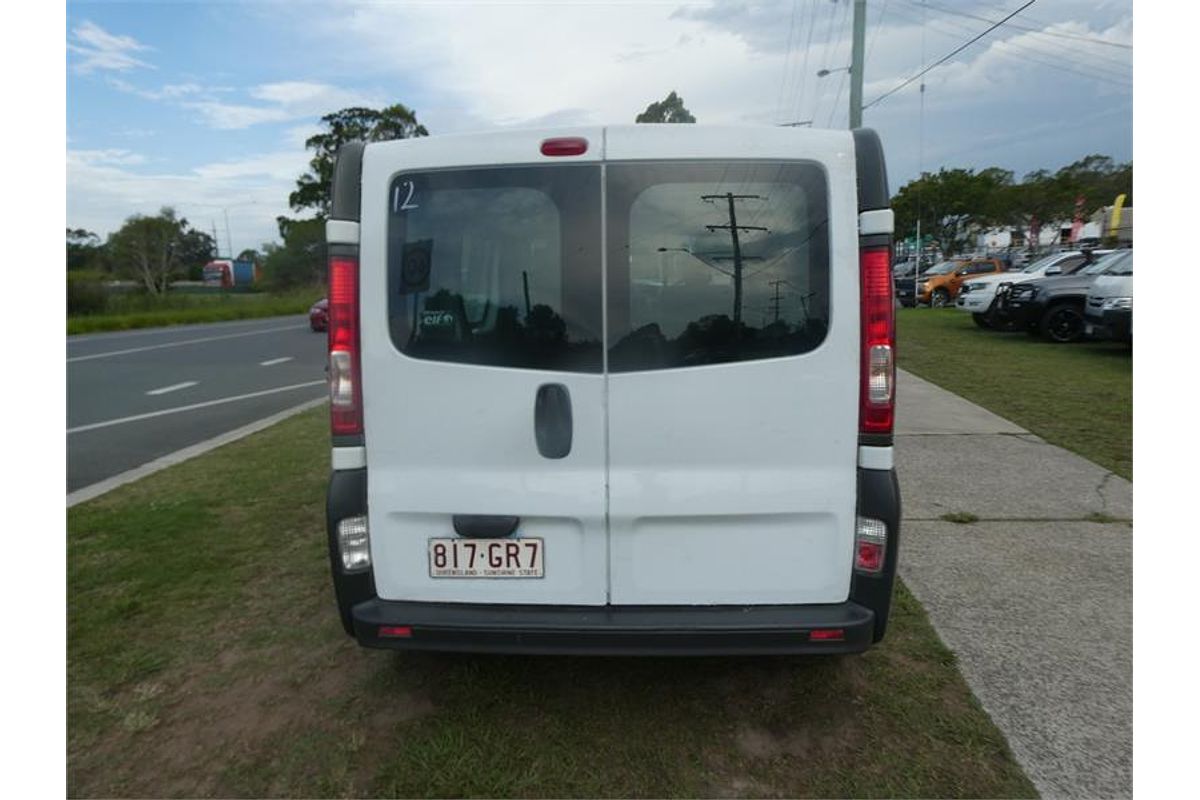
{"x": 615, "y": 630}
{"x": 619, "y": 630}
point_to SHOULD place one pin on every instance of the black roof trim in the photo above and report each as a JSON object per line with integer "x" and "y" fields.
{"x": 346, "y": 191}
{"x": 872, "y": 170}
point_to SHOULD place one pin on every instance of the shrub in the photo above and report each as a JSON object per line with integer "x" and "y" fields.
{"x": 86, "y": 294}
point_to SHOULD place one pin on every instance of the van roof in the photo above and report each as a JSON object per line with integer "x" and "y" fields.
{"x": 522, "y": 146}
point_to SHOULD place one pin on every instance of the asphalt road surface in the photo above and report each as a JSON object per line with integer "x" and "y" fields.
{"x": 134, "y": 396}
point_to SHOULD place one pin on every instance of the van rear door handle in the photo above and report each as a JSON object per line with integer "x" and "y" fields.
{"x": 552, "y": 424}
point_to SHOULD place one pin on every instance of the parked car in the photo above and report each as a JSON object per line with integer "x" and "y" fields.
{"x": 318, "y": 315}
{"x": 902, "y": 279}
{"x": 1109, "y": 310}
{"x": 1053, "y": 306}
{"x": 941, "y": 283}
{"x": 524, "y": 463}
{"x": 978, "y": 295}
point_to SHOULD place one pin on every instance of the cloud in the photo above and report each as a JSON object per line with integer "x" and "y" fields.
{"x": 110, "y": 156}
{"x": 97, "y": 49}
{"x": 104, "y": 187}
{"x": 290, "y": 100}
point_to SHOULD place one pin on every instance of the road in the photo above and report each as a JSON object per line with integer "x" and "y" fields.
{"x": 134, "y": 396}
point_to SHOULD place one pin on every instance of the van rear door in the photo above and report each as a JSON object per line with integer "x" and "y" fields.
{"x": 733, "y": 334}
{"x": 482, "y": 366}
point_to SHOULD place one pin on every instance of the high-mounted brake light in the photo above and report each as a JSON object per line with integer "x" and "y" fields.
{"x": 877, "y": 392}
{"x": 565, "y": 146}
{"x": 345, "y": 366}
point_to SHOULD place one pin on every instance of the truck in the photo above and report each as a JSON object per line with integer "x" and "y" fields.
{"x": 227, "y": 273}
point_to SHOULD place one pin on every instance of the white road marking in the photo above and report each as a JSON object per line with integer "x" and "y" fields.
{"x": 172, "y": 388}
{"x": 186, "y": 341}
{"x": 180, "y": 409}
{"x": 170, "y": 459}
{"x": 274, "y": 361}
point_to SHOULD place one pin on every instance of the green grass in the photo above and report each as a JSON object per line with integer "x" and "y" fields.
{"x": 178, "y": 308}
{"x": 205, "y": 658}
{"x": 1078, "y": 396}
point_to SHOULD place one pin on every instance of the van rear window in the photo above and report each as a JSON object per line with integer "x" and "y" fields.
{"x": 715, "y": 262}
{"x": 497, "y": 266}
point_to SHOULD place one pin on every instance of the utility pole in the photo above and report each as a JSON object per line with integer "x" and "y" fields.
{"x": 858, "y": 57}
{"x": 228, "y": 238}
{"x": 733, "y": 229}
{"x": 216, "y": 241}
{"x": 775, "y": 300}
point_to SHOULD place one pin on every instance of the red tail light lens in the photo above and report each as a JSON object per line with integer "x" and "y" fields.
{"x": 827, "y": 635}
{"x": 877, "y": 392}
{"x": 345, "y": 367}
{"x": 870, "y": 545}
{"x": 565, "y": 146}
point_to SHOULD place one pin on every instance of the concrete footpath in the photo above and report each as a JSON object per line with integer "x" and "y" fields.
{"x": 1035, "y": 601}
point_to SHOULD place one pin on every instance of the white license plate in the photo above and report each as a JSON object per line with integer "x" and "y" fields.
{"x": 486, "y": 558}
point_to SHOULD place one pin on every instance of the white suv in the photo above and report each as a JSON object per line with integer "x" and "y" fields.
{"x": 613, "y": 390}
{"x": 978, "y": 296}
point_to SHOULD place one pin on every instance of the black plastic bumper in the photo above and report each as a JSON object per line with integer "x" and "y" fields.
{"x": 616, "y": 630}
{"x": 619, "y": 630}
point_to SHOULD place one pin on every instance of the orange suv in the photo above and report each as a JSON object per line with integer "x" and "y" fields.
{"x": 939, "y": 286}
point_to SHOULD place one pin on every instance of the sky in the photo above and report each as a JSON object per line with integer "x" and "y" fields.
{"x": 205, "y": 106}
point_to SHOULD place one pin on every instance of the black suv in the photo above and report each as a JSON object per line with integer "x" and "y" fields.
{"x": 1053, "y": 306}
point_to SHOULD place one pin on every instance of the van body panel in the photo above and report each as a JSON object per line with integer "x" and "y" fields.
{"x": 466, "y": 444}
{"x": 735, "y": 483}
{"x": 730, "y": 483}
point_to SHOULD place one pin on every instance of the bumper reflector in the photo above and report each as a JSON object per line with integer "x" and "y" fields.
{"x": 827, "y": 635}
{"x": 395, "y": 631}
{"x": 354, "y": 544}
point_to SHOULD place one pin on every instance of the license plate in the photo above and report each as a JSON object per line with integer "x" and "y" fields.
{"x": 486, "y": 558}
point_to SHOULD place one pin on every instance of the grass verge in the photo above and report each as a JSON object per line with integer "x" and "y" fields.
{"x": 1077, "y": 396}
{"x": 185, "y": 308}
{"x": 205, "y": 658}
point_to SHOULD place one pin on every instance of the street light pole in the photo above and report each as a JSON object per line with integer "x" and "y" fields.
{"x": 858, "y": 57}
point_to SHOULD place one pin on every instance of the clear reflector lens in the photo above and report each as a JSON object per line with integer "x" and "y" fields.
{"x": 341, "y": 379}
{"x": 879, "y": 375}
{"x": 870, "y": 545}
{"x": 354, "y": 544}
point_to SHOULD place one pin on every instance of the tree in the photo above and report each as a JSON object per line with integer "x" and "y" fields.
{"x": 249, "y": 254}
{"x": 953, "y": 204}
{"x": 669, "y": 110}
{"x": 152, "y": 249}
{"x": 84, "y": 250}
{"x": 196, "y": 248}
{"x": 348, "y": 125}
{"x": 300, "y": 261}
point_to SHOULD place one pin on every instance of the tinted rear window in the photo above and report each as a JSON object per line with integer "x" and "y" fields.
{"x": 497, "y": 266}
{"x": 715, "y": 262}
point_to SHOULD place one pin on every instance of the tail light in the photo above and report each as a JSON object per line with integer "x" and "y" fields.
{"x": 877, "y": 392}
{"x": 870, "y": 545}
{"x": 345, "y": 366}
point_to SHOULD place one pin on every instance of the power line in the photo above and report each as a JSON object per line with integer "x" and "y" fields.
{"x": 1117, "y": 68}
{"x": 1089, "y": 39}
{"x": 787, "y": 57}
{"x": 950, "y": 55}
{"x": 812, "y": 24}
{"x": 1096, "y": 71}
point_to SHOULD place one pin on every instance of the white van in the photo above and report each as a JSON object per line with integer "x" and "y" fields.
{"x": 613, "y": 390}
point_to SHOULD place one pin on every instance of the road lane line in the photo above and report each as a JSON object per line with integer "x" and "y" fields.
{"x": 180, "y": 409}
{"x": 274, "y": 361}
{"x": 112, "y": 353}
{"x": 170, "y": 459}
{"x": 172, "y": 388}
{"x": 190, "y": 327}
